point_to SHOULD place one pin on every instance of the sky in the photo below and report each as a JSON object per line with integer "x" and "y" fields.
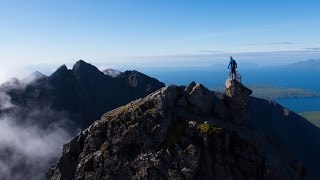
{"x": 155, "y": 32}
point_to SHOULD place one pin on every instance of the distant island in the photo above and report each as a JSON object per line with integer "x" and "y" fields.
{"x": 308, "y": 65}
{"x": 272, "y": 92}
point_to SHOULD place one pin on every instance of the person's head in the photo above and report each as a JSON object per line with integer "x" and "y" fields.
{"x": 231, "y": 57}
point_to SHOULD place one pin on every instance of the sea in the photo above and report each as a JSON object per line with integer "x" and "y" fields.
{"x": 214, "y": 79}
{"x": 300, "y": 104}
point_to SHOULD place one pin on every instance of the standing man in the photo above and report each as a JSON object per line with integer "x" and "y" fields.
{"x": 233, "y": 65}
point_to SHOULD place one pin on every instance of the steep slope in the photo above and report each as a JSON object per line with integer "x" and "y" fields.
{"x": 296, "y": 134}
{"x": 177, "y": 133}
{"x": 83, "y": 92}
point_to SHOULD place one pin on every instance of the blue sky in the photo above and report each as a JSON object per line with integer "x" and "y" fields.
{"x": 122, "y": 31}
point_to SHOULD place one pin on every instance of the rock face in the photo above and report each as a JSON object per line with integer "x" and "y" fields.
{"x": 297, "y": 135}
{"x": 84, "y": 92}
{"x": 237, "y": 97}
{"x": 174, "y": 133}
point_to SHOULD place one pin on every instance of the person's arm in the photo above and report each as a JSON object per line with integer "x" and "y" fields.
{"x": 229, "y": 65}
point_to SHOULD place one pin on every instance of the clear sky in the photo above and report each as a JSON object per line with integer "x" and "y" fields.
{"x": 113, "y": 31}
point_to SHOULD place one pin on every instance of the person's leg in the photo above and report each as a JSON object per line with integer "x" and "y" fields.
{"x": 233, "y": 72}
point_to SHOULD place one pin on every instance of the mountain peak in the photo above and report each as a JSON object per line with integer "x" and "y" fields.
{"x": 33, "y": 77}
{"x": 63, "y": 67}
{"x": 62, "y": 71}
{"x": 139, "y": 80}
{"x": 81, "y": 64}
{"x": 83, "y": 69}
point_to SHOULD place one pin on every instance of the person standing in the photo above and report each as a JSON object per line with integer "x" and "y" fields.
{"x": 233, "y": 66}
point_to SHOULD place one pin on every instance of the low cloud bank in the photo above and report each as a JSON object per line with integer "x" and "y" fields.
{"x": 30, "y": 139}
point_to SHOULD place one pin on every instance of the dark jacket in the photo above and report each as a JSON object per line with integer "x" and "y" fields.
{"x": 232, "y": 64}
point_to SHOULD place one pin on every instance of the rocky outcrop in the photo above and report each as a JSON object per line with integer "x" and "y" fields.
{"x": 175, "y": 133}
{"x": 237, "y": 97}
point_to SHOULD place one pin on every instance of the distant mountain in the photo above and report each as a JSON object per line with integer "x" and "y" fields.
{"x": 33, "y": 77}
{"x": 309, "y": 65}
{"x": 190, "y": 133}
{"x": 112, "y": 72}
{"x": 84, "y": 92}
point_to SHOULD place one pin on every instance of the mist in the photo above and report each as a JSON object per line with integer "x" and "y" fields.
{"x": 31, "y": 139}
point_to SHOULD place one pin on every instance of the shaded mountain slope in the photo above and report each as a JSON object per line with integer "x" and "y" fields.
{"x": 296, "y": 134}
{"x": 84, "y": 92}
{"x": 39, "y": 113}
{"x": 177, "y": 133}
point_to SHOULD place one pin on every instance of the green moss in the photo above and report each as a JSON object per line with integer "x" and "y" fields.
{"x": 209, "y": 129}
{"x": 174, "y": 135}
{"x": 103, "y": 149}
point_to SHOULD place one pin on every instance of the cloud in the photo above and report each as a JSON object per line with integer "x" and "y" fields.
{"x": 5, "y": 101}
{"x": 313, "y": 48}
{"x": 31, "y": 139}
{"x": 270, "y": 43}
{"x": 211, "y": 51}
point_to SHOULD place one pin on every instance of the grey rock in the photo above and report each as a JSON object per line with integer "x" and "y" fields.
{"x": 189, "y": 87}
{"x": 202, "y": 98}
{"x": 158, "y": 137}
{"x": 237, "y": 98}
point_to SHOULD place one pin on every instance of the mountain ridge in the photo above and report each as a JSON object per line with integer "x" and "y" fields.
{"x": 39, "y": 113}
{"x": 178, "y": 132}
{"x": 84, "y": 91}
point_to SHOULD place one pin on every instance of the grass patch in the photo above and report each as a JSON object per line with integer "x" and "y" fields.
{"x": 209, "y": 129}
{"x": 312, "y": 116}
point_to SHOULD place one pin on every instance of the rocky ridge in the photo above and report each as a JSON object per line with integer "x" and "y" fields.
{"x": 83, "y": 93}
{"x": 177, "y": 133}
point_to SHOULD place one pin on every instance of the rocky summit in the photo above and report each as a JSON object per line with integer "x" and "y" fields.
{"x": 177, "y": 133}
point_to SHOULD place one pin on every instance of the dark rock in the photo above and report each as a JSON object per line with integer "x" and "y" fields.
{"x": 237, "y": 98}
{"x": 299, "y": 136}
{"x": 162, "y": 137}
{"x": 84, "y": 92}
{"x": 182, "y": 102}
{"x": 202, "y": 98}
{"x": 189, "y": 88}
